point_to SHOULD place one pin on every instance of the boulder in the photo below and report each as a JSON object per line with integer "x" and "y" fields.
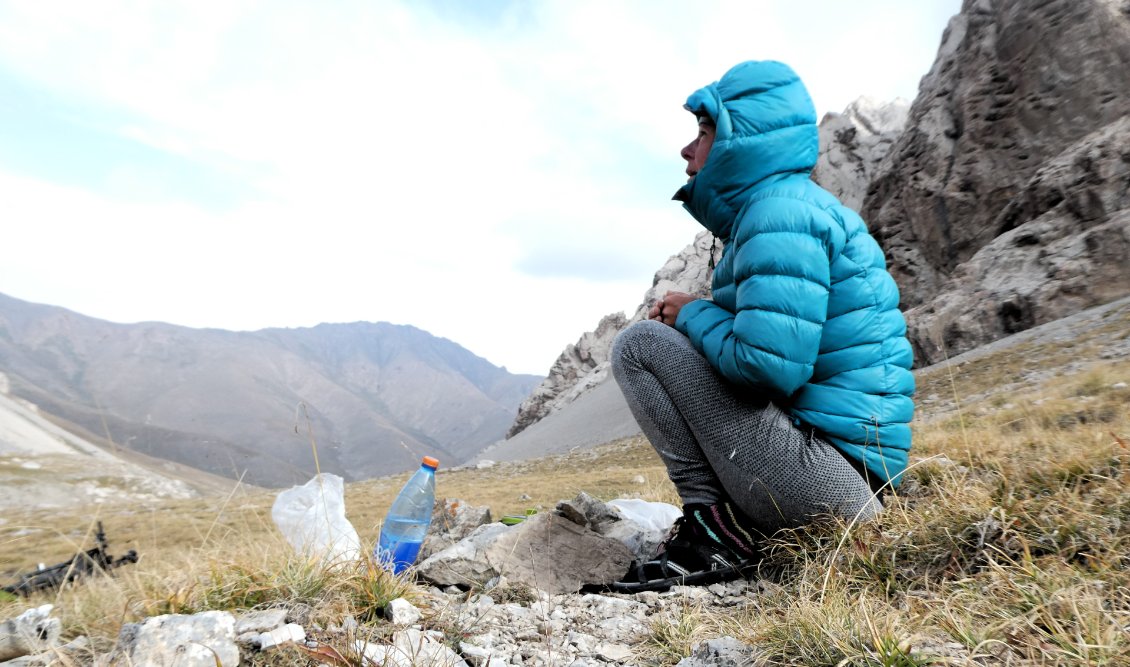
{"x": 547, "y": 552}
{"x": 576, "y": 362}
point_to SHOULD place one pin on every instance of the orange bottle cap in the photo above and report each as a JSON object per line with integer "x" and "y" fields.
{"x": 431, "y": 462}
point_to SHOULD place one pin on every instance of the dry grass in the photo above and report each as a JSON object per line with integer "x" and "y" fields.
{"x": 1008, "y": 544}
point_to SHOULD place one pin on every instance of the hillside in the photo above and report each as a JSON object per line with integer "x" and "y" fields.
{"x": 375, "y": 397}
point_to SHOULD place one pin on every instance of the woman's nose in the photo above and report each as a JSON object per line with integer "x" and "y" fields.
{"x": 688, "y": 151}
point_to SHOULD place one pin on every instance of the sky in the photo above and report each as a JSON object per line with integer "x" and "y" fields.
{"x": 495, "y": 172}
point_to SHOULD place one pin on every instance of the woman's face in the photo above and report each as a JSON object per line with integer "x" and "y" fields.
{"x": 696, "y": 152}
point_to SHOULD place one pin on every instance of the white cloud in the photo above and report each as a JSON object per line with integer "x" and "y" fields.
{"x": 396, "y": 165}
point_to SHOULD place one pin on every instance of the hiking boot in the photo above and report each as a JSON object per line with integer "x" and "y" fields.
{"x": 685, "y": 558}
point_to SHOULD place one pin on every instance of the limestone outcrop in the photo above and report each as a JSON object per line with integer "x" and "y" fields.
{"x": 585, "y": 361}
{"x": 1015, "y": 85}
{"x": 1066, "y": 248}
{"x": 853, "y": 145}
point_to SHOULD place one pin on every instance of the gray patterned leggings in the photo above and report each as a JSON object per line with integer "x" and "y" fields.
{"x": 719, "y": 445}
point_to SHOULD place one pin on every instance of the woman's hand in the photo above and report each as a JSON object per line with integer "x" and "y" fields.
{"x": 667, "y": 308}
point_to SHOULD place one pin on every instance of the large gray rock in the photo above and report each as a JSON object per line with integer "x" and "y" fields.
{"x": 547, "y": 552}
{"x": 1015, "y": 84}
{"x": 206, "y": 639}
{"x": 1066, "y": 248}
{"x": 637, "y": 524}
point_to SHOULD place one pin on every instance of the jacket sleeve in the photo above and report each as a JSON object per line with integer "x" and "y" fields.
{"x": 783, "y": 249}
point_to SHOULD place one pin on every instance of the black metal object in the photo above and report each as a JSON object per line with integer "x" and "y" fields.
{"x": 83, "y": 564}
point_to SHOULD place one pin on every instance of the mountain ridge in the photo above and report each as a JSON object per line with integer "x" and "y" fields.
{"x": 377, "y": 395}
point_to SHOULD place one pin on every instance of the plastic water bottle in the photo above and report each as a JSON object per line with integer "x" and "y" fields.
{"x": 408, "y": 519}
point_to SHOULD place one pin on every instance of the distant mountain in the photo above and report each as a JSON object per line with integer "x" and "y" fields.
{"x": 378, "y": 396}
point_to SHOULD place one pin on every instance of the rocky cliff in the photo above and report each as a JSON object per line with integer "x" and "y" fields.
{"x": 1003, "y": 204}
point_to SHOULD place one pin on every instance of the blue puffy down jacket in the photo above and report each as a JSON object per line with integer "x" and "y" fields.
{"x": 804, "y": 311}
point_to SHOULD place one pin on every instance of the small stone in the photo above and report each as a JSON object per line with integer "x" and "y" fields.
{"x": 721, "y": 652}
{"x": 287, "y": 634}
{"x": 300, "y": 613}
{"x": 639, "y": 479}
{"x": 1118, "y": 385}
{"x": 613, "y": 652}
{"x": 31, "y": 632}
{"x": 401, "y": 612}
{"x": 260, "y": 621}
{"x": 201, "y": 639}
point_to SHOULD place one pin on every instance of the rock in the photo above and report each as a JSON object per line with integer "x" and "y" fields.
{"x": 31, "y": 632}
{"x": 401, "y": 612}
{"x": 287, "y": 634}
{"x": 72, "y": 653}
{"x": 854, "y": 143}
{"x": 637, "y": 524}
{"x": 410, "y": 647}
{"x": 260, "y": 621}
{"x": 204, "y": 640}
{"x": 300, "y": 613}
{"x": 575, "y": 363}
{"x": 546, "y": 552}
{"x": 1015, "y": 84}
{"x": 1064, "y": 250}
{"x": 452, "y": 520}
{"x": 642, "y": 526}
{"x": 584, "y": 510}
{"x": 721, "y": 652}
{"x": 613, "y": 652}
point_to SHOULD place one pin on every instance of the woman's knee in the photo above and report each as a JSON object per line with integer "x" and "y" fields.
{"x": 627, "y": 344}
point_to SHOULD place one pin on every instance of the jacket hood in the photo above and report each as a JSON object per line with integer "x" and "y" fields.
{"x": 765, "y": 127}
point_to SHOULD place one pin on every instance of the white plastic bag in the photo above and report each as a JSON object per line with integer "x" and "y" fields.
{"x": 312, "y": 518}
{"x": 643, "y": 524}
